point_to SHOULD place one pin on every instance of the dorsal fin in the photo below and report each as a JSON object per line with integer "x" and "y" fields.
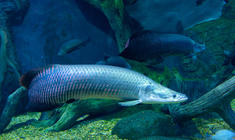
{"x": 27, "y": 78}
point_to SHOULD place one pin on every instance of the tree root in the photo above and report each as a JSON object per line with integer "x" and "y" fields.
{"x": 217, "y": 100}
{"x": 66, "y": 116}
{"x": 15, "y": 100}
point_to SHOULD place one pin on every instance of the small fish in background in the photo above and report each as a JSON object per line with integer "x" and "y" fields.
{"x": 199, "y": 2}
{"x": 223, "y": 134}
{"x": 152, "y": 47}
{"x": 129, "y": 2}
{"x": 72, "y": 45}
{"x": 52, "y": 86}
{"x": 114, "y": 61}
{"x": 230, "y": 57}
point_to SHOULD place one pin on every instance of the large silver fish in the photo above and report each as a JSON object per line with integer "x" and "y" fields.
{"x": 58, "y": 84}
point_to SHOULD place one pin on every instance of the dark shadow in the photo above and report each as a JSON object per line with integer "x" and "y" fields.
{"x": 95, "y": 17}
{"x": 19, "y": 125}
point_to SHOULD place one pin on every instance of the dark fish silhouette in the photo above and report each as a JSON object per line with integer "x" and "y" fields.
{"x": 72, "y": 45}
{"x": 114, "y": 61}
{"x": 200, "y": 2}
{"x": 230, "y": 57}
{"x": 151, "y": 47}
{"x": 58, "y": 84}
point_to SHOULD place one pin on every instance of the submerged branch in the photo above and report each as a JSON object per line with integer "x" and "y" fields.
{"x": 216, "y": 100}
{"x": 12, "y": 107}
{"x": 69, "y": 114}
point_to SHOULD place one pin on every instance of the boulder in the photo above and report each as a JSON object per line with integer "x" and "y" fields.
{"x": 174, "y": 15}
{"x": 143, "y": 124}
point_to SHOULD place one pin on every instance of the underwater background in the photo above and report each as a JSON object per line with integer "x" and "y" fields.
{"x": 37, "y": 33}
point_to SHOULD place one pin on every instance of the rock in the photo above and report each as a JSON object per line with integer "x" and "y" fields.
{"x": 145, "y": 123}
{"x": 37, "y": 43}
{"x": 172, "y": 15}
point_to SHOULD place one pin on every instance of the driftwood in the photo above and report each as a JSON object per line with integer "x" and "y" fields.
{"x": 217, "y": 100}
{"x": 66, "y": 116}
{"x": 15, "y": 100}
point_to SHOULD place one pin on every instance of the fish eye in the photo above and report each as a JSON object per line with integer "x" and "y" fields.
{"x": 174, "y": 96}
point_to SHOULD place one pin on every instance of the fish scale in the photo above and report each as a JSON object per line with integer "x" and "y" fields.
{"x": 60, "y": 83}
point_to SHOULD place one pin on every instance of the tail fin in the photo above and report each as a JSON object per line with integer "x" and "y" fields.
{"x": 27, "y": 78}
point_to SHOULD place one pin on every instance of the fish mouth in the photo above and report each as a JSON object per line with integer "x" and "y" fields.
{"x": 182, "y": 99}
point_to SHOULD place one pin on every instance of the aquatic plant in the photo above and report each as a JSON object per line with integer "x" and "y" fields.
{"x": 162, "y": 77}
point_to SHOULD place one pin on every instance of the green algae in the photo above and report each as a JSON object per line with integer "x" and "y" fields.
{"x": 233, "y": 104}
{"x": 98, "y": 128}
{"x": 160, "y": 77}
{"x": 91, "y": 129}
{"x": 218, "y": 35}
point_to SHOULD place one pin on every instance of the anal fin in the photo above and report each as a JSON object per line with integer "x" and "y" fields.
{"x": 130, "y": 103}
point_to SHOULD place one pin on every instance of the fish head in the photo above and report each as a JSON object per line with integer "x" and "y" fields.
{"x": 197, "y": 48}
{"x": 158, "y": 94}
{"x": 61, "y": 53}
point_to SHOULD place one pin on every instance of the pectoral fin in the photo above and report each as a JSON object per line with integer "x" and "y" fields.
{"x": 130, "y": 103}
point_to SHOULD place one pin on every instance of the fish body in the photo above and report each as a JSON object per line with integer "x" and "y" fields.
{"x": 149, "y": 45}
{"x": 223, "y": 134}
{"x": 115, "y": 61}
{"x": 58, "y": 84}
{"x": 71, "y": 46}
